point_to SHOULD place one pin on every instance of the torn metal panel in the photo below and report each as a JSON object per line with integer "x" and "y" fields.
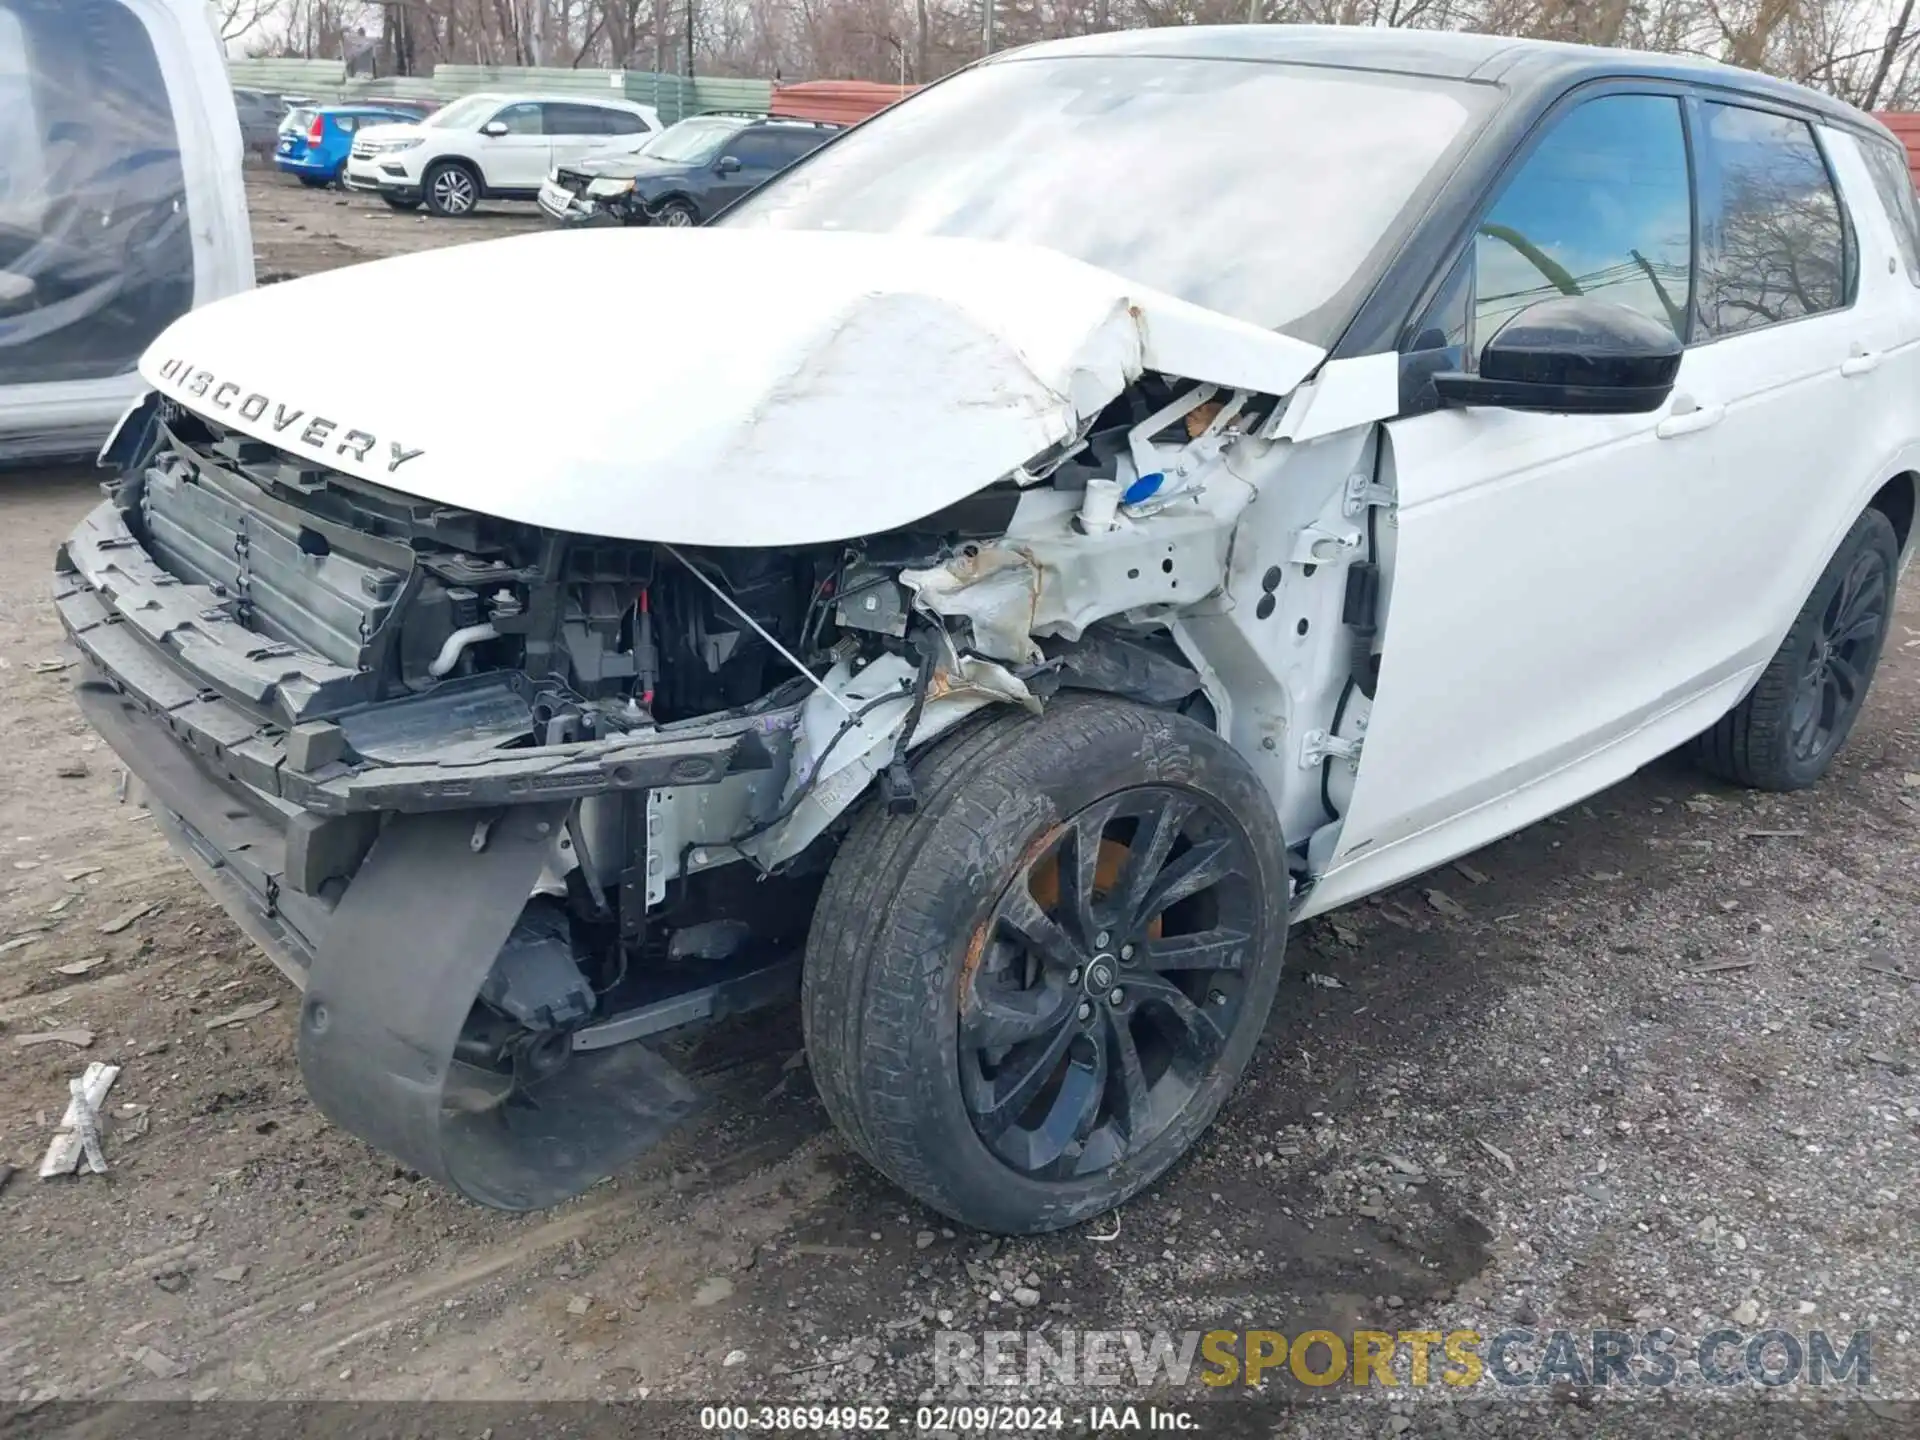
{"x": 1059, "y": 582}
{"x": 835, "y": 758}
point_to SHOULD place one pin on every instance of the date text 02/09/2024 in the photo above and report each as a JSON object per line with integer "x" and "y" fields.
{"x": 964, "y": 1419}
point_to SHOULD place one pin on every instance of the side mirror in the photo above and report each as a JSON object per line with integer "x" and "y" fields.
{"x": 495, "y": 128}
{"x": 1574, "y": 355}
{"x": 727, "y": 164}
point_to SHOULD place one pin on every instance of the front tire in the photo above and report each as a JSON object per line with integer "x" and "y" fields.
{"x": 677, "y": 215}
{"x": 1026, "y": 1000}
{"x": 401, "y": 204}
{"x": 451, "y": 190}
{"x": 1784, "y": 735}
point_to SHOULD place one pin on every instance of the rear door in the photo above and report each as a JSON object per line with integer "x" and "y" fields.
{"x": 1806, "y": 312}
{"x": 576, "y": 131}
{"x": 1541, "y": 633}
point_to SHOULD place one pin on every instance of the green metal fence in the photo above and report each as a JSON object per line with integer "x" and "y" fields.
{"x": 674, "y": 96}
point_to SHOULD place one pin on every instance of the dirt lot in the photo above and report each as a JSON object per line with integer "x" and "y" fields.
{"x": 1648, "y": 1063}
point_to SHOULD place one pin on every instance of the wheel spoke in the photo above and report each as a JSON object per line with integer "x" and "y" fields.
{"x": 1201, "y": 1030}
{"x": 995, "y": 1021}
{"x": 1865, "y": 627}
{"x": 1078, "y": 859}
{"x": 1135, "y": 1103}
{"x": 1221, "y": 948}
{"x": 1021, "y": 917}
{"x": 1204, "y": 865}
{"x": 1153, "y": 842}
{"x": 998, "y": 1102}
{"x": 1844, "y": 677}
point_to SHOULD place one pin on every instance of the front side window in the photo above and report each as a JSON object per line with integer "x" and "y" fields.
{"x": 694, "y": 142}
{"x": 523, "y": 119}
{"x": 1271, "y": 192}
{"x": 1602, "y": 207}
{"x": 1893, "y": 180}
{"x": 757, "y": 150}
{"x": 96, "y": 254}
{"x": 1776, "y": 241}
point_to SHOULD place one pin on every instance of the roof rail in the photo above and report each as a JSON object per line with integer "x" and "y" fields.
{"x": 762, "y": 115}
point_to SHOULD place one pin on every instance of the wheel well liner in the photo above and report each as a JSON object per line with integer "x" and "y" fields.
{"x": 1896, "y": 500}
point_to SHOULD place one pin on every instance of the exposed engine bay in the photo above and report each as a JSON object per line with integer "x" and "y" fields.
{"x": 656, "y": 748}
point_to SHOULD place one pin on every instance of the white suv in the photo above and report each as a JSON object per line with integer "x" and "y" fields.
{"x": 491, "y": 147}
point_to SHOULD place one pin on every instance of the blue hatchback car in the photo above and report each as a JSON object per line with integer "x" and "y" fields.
{"x": 315, "y": 140}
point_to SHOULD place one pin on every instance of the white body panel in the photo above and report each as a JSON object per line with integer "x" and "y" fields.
{"x": 886, "y": 377}
{"x": 72, "y": 417}
{"x": 1623, "y": 579}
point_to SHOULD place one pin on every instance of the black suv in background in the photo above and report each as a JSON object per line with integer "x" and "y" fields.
{"x": 687, "y": 174}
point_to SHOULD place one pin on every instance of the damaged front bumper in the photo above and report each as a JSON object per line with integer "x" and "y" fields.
{"x": 383, "y": 858}
{"x": 384, "y": 855}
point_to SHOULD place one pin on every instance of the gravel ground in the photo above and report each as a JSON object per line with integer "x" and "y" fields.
{"x": 1648, "y": 1063}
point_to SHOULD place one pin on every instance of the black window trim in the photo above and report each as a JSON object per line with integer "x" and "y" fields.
{"x": 1419, "y": 251}
{"x": 1849, "y": 235}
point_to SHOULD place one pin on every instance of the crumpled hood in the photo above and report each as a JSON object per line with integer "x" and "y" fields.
{"x": 628, "y": 166}
{"x": 702, "y": 387}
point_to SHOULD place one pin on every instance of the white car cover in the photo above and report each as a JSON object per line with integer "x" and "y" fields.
{"x": 704, "y": 387}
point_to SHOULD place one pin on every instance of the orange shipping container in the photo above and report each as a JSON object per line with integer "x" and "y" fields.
{"x": 841, "y": 102}
{"x": 1905, "y": 124}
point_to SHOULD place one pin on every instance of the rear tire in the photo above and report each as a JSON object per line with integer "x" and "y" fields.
{"x": 1024, "y": 1079}
{"x": 315, "y": 182}
{"x": 1784, "y": 735}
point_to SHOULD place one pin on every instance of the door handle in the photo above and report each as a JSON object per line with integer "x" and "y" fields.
{"x": 1862, "y": 364}
{"x": 1700, "y": 417}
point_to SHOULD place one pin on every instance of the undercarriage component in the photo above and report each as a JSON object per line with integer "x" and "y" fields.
{"x": 390, "y": 996}
{"x": 534, "y": 979}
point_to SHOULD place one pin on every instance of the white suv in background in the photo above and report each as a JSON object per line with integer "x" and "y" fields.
{"x": 491, "y": 147}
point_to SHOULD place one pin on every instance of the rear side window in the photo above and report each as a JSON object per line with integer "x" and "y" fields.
{"x": 96, "y": 254}
{"x": 1893, "y": 179}
{"x": 1775, "y": 243}
{"x": 592, "y": 120}
{"x": 1602, "y": 207}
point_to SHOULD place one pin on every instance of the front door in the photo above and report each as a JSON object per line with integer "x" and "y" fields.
{"x": 1542, "y": 631}
{"x": 519, "y": 159}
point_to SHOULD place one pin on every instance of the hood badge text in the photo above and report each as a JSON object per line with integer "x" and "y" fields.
{"x": 319, "y": 434}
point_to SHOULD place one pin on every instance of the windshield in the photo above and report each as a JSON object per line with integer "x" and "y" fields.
{"x": 692, "y": 142}
{"x": 1260, "y": 190}
{"x": 471, "y": 111}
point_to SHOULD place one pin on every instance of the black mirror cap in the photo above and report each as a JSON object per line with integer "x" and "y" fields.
{"x": 1573, "y": 355}
{"x": 727, "y": 164}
